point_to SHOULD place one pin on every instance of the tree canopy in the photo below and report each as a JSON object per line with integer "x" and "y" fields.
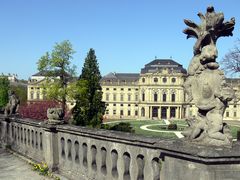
{"x": 57, "y": 67}
{"x": 4, "y": 88}
{"x": 89, "y": 107}
{"x": 231, "y": 61}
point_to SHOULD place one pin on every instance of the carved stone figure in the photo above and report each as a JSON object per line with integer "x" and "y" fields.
{"x": 205, "y": 84}
{"x": 55, "y": 115}
{"x": 12, "y": 105}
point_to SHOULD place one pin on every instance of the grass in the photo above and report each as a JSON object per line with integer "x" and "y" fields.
{"x": 136, "y": 124}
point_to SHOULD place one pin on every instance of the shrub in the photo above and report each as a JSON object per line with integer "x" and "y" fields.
{"x": 172, "y": 127}
{"x": 124, "y": 127}
{"x": 37, "y": 110}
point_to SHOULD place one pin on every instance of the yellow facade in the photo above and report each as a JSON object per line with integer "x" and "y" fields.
{"x": 155, "y": 93}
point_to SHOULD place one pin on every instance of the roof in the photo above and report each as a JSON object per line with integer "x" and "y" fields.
{"x": 159, "y": 64}
{"x": 128, "y": 77}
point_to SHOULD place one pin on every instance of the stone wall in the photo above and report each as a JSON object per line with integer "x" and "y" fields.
{"x": 82, "y": 153}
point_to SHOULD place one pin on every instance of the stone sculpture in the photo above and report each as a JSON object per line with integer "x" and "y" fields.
{"x": 55, "y": 115}
{"x": 205, "y": 85}
{"x": 12, "y": 105}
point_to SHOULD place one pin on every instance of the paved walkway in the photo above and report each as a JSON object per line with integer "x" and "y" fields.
{"x": 14, "y": 168}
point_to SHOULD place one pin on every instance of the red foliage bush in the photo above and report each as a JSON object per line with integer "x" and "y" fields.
{"x": 37, "y": 110}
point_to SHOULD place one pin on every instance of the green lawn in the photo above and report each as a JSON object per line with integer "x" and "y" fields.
{"x": 136, "y": 124}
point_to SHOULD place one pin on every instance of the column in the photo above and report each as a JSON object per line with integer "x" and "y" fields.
{"x": 168, "y": 112}
{"x": 51, "y": 147}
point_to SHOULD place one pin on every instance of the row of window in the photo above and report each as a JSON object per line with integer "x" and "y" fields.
{"x": 37, "y": 95}
{"x": 164, "y": 80}
{"x": 121, "y": 97}
{"x": 155, "y": 97}
{"x": 129, "y": 105}
{"x": 122, "y": 89}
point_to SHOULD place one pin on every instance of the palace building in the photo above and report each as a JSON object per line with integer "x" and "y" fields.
{"x": 155, "y": 93}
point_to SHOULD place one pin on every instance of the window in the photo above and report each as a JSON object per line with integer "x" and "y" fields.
{"x": 235, "y": 114}
{"x": 114, "y": 111}
{"x": 155, "y": 97}
{"x": 143, "y": 112}
{"x": 164, "y": 98}
{"x": 136, "y": 97}
{"x": 114, "y": 104}
{"x": 155, "y": 80}
{"x": 38, "y": 95}
{"x": 114, "y": 97}
{"x": 114, "y": 89}
{"x": 107, "y": 111}
{"x": 129, "y": 89}
{"x": 129, "y": 105}
{"x": 143, "y": 80}
{"x": 122, "y": 89}
{"x": 173, "y": 97}
{"x": 121, "y": 97}
{"x": 129, "y": 97}
{"x": 234, "y": 105}
{"x": 121, "y": 105}
{"x": 227, "y": 114}
{"x": 107, "y": 104}
{"x": 129, "y": 113}
{"x": 173, "y": 80}
{"x": 32, "y": 95}
{"x": 136, "y": 113}
{"x": 107, "y": 89}
{"x": 143, "y": 96}
{"x": 136, "y": 89}
{"x": 136, "y": 105}
{"x": 107, "y": 97}
{"x": 121, "y": 112}
{"x": 164, "y": 79}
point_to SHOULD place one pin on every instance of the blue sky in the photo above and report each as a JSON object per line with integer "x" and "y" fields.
{"x": 126, "y": 34}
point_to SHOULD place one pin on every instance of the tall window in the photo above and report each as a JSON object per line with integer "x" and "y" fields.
{"x": 173, "y": 97}
{"x": 155, "y": 97}
{"x": 155, "y": 80}
{"x": 129, "y": 113}
{"x": 136, "y": 97}
{"x": 129, "y": 97}
{"x": 107, "y": 97}
{"x": 143, "y": 112}
{"x": 114, "y": 97}
{"x": 121, "y": 112}
{"x": 143, "y": 96}
{"x": 32, "y": 94}
{"x": 164, "y": 97}
{"x": 38, "y": 95}
{"x": 143, "y": 80}
{"x": 136, "y": 113}
{"x": 121, "y": 97}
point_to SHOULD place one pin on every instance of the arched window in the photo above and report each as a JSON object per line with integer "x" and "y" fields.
{"x": 173, "y": 80}
{"x": 143, "y": 80}
{"x": 164, "y": 97}
{"x": 173, "y": 97}
{"x": 143, "y": 112}
{"x": 155, "y": 80}
{"x": 155, "y": 97}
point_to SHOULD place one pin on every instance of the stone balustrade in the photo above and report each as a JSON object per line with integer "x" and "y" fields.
{"x": 83, "y": 153}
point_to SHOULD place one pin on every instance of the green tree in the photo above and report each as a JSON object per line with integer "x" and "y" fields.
{"x": 4, "y": 88}
{"x": 89, "y": 107}
{"x": 58, "y": 70}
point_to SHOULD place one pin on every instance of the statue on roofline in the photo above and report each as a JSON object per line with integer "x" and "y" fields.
{"x": 205, "y": 85}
